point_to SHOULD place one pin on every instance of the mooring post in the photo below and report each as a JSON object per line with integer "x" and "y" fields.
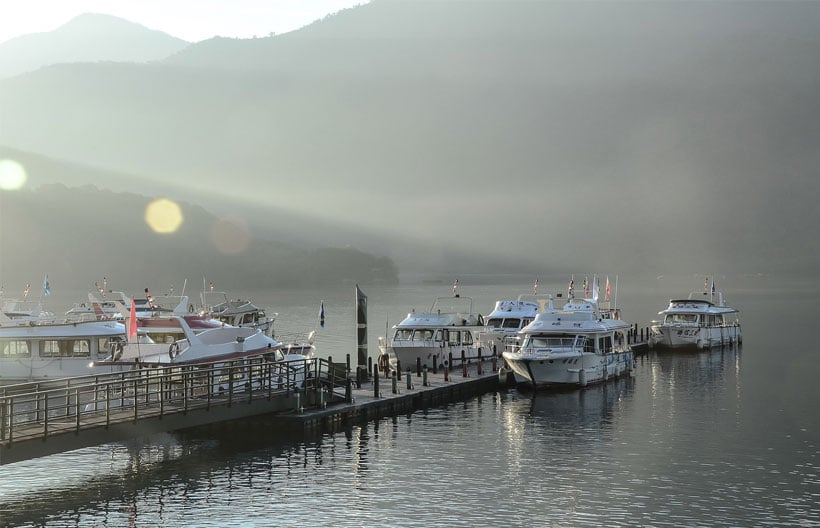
{"x": 398, "y": 369}
{"x": 349, "y": 391}
{"x": 376, "y": 381}
{"x": 424, "y": 382}
{"x": 395, "y": 381}
{"x": 478, "y": 366}
{"x": 418, "y": 367}
{"x": 409, "y": 380}
{"x": 446, "y": 371}
{"x": 463, "y": 364}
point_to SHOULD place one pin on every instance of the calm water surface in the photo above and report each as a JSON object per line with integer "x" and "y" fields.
{"x": 722, "y": 438}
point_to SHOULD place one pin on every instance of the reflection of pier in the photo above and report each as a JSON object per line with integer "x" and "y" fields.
{"x": 38, "y": 419}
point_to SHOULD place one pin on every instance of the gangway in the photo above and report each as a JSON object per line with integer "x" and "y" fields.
{"x": 48, "y": 417}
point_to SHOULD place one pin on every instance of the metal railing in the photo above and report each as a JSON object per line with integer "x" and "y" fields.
{"x": 46, "y": 408}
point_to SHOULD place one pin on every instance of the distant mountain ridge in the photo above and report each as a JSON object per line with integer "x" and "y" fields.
{"x": 87, "y": 38}
{"x": 638, "y": 135}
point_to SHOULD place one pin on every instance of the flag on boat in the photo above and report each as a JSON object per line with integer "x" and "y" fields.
{"x": 535, "y": 287}
{"x": 586, "y": 287}
{"x": 322, "y": 314}
{"x": 26, "y": 290}
{"x": 455, "y": 287}
{"x": 571, "y": 287}
{"x": 46, "y": 286}
{"x": 713, "y": 286}
{"x": 132, "y": 321}
{"x": 608, "y": 290}
{"x": 595, "y": 288}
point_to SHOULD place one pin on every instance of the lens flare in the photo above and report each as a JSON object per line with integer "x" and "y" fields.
{"x": 12, "y": 175}
{"x": 230, "y": 235}
{"x": 163, "y": 216}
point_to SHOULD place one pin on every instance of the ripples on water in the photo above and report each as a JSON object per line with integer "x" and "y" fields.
{"x": 693, "y": 439}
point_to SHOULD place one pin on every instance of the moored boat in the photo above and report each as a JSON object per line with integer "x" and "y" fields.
{"x": 702, "y": 320}
{"x": 449, "y": 327}
{"x": 576, "y": 345}
{"x": 31, "y": 350}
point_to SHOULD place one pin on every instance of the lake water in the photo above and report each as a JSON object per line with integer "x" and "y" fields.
{"x": 722, "y": 438}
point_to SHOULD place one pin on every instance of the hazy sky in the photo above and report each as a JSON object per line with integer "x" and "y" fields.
{"x": 191, "y": 20}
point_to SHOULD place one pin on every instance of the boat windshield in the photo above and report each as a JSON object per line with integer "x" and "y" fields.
{"x": 567, "y": 341}
{"x": 508, "y": 323}
{"x": 677, "y": 318}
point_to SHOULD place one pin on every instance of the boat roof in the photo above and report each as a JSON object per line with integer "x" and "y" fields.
{"x": 577, "y": 315}
{"x": 63, "y": 330}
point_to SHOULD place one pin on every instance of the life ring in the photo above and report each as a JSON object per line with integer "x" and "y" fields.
{"x": 190, "y": 308}
{"x": 173, "y": 350}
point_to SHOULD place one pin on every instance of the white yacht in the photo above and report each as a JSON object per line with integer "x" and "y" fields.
{"x": 702, "y": 321}
{"x": 32, "y": 350}
{"x": 508, "y": 317}
{"x": 576, "y": 345}
{"x": 449, "y": 327}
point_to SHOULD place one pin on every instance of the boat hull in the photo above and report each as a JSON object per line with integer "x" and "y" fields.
{"x": 570, "y": 370}
{"x": 409, "y": 356}
{"x": 671, "y": 336}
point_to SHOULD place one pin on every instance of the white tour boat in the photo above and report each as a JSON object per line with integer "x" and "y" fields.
{"x": 702, "y": 321}
{"x": 32, "y": 350}
{"x": 577, "y": 345}
{"x": 236, "y": 312}
{"x": 508, "y": 317}
{"x": 449, "y": 327}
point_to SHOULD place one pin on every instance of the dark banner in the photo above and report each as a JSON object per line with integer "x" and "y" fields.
{"x": 361, "y": 325}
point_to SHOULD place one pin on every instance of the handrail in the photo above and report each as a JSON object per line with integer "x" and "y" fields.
{"x": 43, "y": 409}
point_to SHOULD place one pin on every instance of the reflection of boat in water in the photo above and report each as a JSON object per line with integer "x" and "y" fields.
{"x": 702, "y": 320}
{"x": 577, "y": 345}
{"x": 576, "y": 408}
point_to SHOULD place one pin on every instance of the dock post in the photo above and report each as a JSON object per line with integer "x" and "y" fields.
{"x": 349, "y": 390}
{"x": 424, "y": 382}
{"x": 395, "y": 382}
{"x": 398, "y": 369}
{"x": 348, "y": 365}
{"x": 369, "y": 365}
{"x": 409, "y": 380}
{"x": 495, "y": 363}
{"x": 478, "y": 366}
{"x": 463, "y": 364}
{"x": 376, "y": 381}
{"x": 435, "y": 363}
{"x": 418, "y": 367}
{"x": 446, "y": 372}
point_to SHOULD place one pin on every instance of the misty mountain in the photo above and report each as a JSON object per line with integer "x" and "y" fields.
{"x": 526, "y": 135}
{"x": 86, "y": 38}
{"x": 78, "y": 233}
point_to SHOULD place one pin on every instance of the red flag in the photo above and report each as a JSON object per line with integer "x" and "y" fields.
{"x": 608, "y": 291}
{"x": 132, "y": 321}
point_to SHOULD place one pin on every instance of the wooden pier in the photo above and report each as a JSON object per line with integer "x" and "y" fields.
{"x": 39, "y": 419}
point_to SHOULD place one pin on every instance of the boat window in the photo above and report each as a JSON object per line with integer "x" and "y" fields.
{"x": 549, "y": 341}
{"x": 526, "y": 321}
{"x": 422, "y": 335}
{"x": 511, "y": 323}
{"x": 403, "y": 334}
{"x": 466, "y": 338}
{"x": 14, "y": 348}
{"x": 437, "y": 337}
{"x": 493, "y": 323}
{"x": 452, "y": 338}
{"x": 606, "y": 344}
{"x": 65, "y": 348}
{"x": 681, "y": 318}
